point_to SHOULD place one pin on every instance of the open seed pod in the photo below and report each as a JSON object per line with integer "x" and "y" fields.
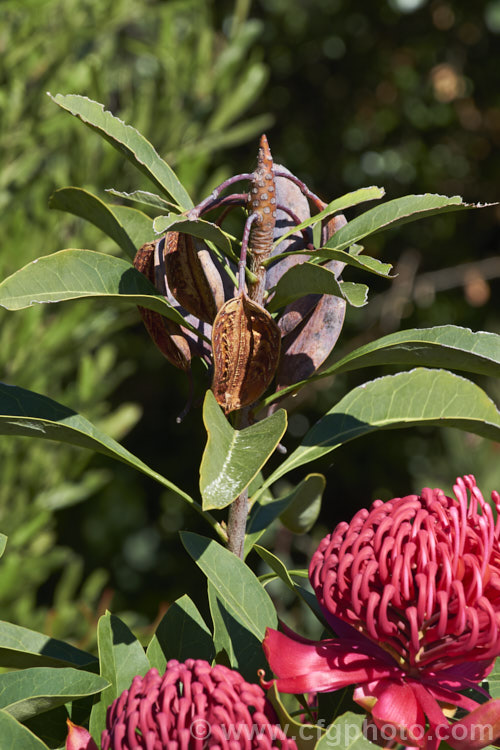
{"x": 167, "y": 335}
{"x": 246, "y": 348}
{"x": 192, "y": 276}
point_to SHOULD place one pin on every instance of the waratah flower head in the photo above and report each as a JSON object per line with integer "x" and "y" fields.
{"x": 193, "y": 706}
{"x": 412, "y": 590}
{"x": 419, "y": 576}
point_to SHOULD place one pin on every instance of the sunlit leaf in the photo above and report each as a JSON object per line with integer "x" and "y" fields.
{"x": 232, "y": 458}
{"x": 29, "y": 692}
{"x": 128, "y": 141}
{"x": 234, "y": 583}
{"x": 26, "y": 413}
{"x": 76, "y": 274}
{"x": 419, "y": 397}
{"x": 309, "y": 278}
{"x": 397, "y": 212}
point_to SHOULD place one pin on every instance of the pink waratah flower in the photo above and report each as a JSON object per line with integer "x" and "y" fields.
{"x": 193, "y": 706}
{"x": 412, "y": 589}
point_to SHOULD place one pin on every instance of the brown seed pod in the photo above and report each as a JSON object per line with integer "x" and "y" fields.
{"x": 166, "y": 334}
{"x": 192, "y": 276}
{"x": 246, "y": 348}
{"x": 310, "y": 341}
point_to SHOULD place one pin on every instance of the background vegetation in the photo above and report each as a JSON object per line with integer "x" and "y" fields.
{"x": 400, "y": 93}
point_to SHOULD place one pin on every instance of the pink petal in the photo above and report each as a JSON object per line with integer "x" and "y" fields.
{"x": 303, "y": 667}
{"x": 78, "y": 738}
{"x": 395, "y": 710}
{"x": 479, "y": 729}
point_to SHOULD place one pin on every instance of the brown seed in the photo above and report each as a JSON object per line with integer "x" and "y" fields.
{"x": 192, "y": 276}
{"x": 166, "y": 334}
{"x": 246, "y": 347}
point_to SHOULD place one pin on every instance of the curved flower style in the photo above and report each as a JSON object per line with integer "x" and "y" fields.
{"x": 412, "y": 589}
{"x": 191, "y": 707}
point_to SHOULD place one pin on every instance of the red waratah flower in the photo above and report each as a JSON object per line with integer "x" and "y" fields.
{"x": 193, "y": 706}
{"x": 412, "y": 589}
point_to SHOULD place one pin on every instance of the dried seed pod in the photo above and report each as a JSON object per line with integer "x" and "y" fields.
{"x": 166, "y": 334}
{"x": 309, "y": 343}
{"x": 192, "y": 276}
{"x": 246, "y": 348}
{"x": 287, "y": 194}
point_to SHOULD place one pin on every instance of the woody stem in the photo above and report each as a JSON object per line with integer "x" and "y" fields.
{"x": 238, "y": 512}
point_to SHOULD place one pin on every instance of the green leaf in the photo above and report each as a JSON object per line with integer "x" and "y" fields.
{"x": 181, "y": 634}
{"x": 346, "y": 732}
{"x": 121, "y": 658}
{"x": 235, "y": 645}
{"x": 29, "y": 414}
{"x": 15, "y": 736}
{"x": 87, "y": 206}
{"x": 418, "y": 397}
{"x": 363, "y": 262}
{"x": 144, "y": 197}
{"x": 309, "y": 278}
{"x": 234, "y": 583}
{"x": 451, "y": 347}
{"x": 280, "y": 569}
{"x": 306, "y": 736}
{"x": 264, "y": 511}
{"x": 394, "y": 213}
{"x": 200, "y": 228}
{"x": 21, "y": 648}
{"x": 129, "y": 142}
{"x": 444, "y": 346}
{"x": 76, "y": 274}
{"x": 494, "y": 680}
{"x": 138, "y": 225}
{"x": 339, "y": 204}
{"x": 304, "y": 504}
{"x": 29, "y": 692}
{"x": 3, "y": 543}
{"x": 232, "y": 458}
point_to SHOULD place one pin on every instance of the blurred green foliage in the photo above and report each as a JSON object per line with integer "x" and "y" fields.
{"x": 401, "y": 93}
{"x": 166, "y": 69}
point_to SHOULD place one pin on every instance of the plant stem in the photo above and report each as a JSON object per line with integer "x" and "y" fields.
{"x": 238, "y": 512}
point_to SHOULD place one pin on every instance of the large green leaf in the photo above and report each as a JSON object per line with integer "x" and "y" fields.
{"x": 394, "y": 213}
{"x": 234, "y": 583}
{"x": 232, "y": 458}
{"x": 309, "y": 278}
{"x": 138, "y": 225}
{"x": 129, "y": 142}
{"x": 121, "y": 658}
{"x": 418, "y": 397}
{"x": 362, "y": 262}
{"x": 21, "y": 648}
{"x": 205, "y": 230}
{"x": 29, "y": 414}
{"x": 29, "y": 692}
{"x": 339, "y": 204}
{"x": 443, "y": 346}
{"x": 235, "y": 645}
{"x": 346, "y": 732}
{"x": 87, "y": 206}
{"x": 181, "y": 634}
{"x": 14, "y": 736}
{"x": 75, "y": 274}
